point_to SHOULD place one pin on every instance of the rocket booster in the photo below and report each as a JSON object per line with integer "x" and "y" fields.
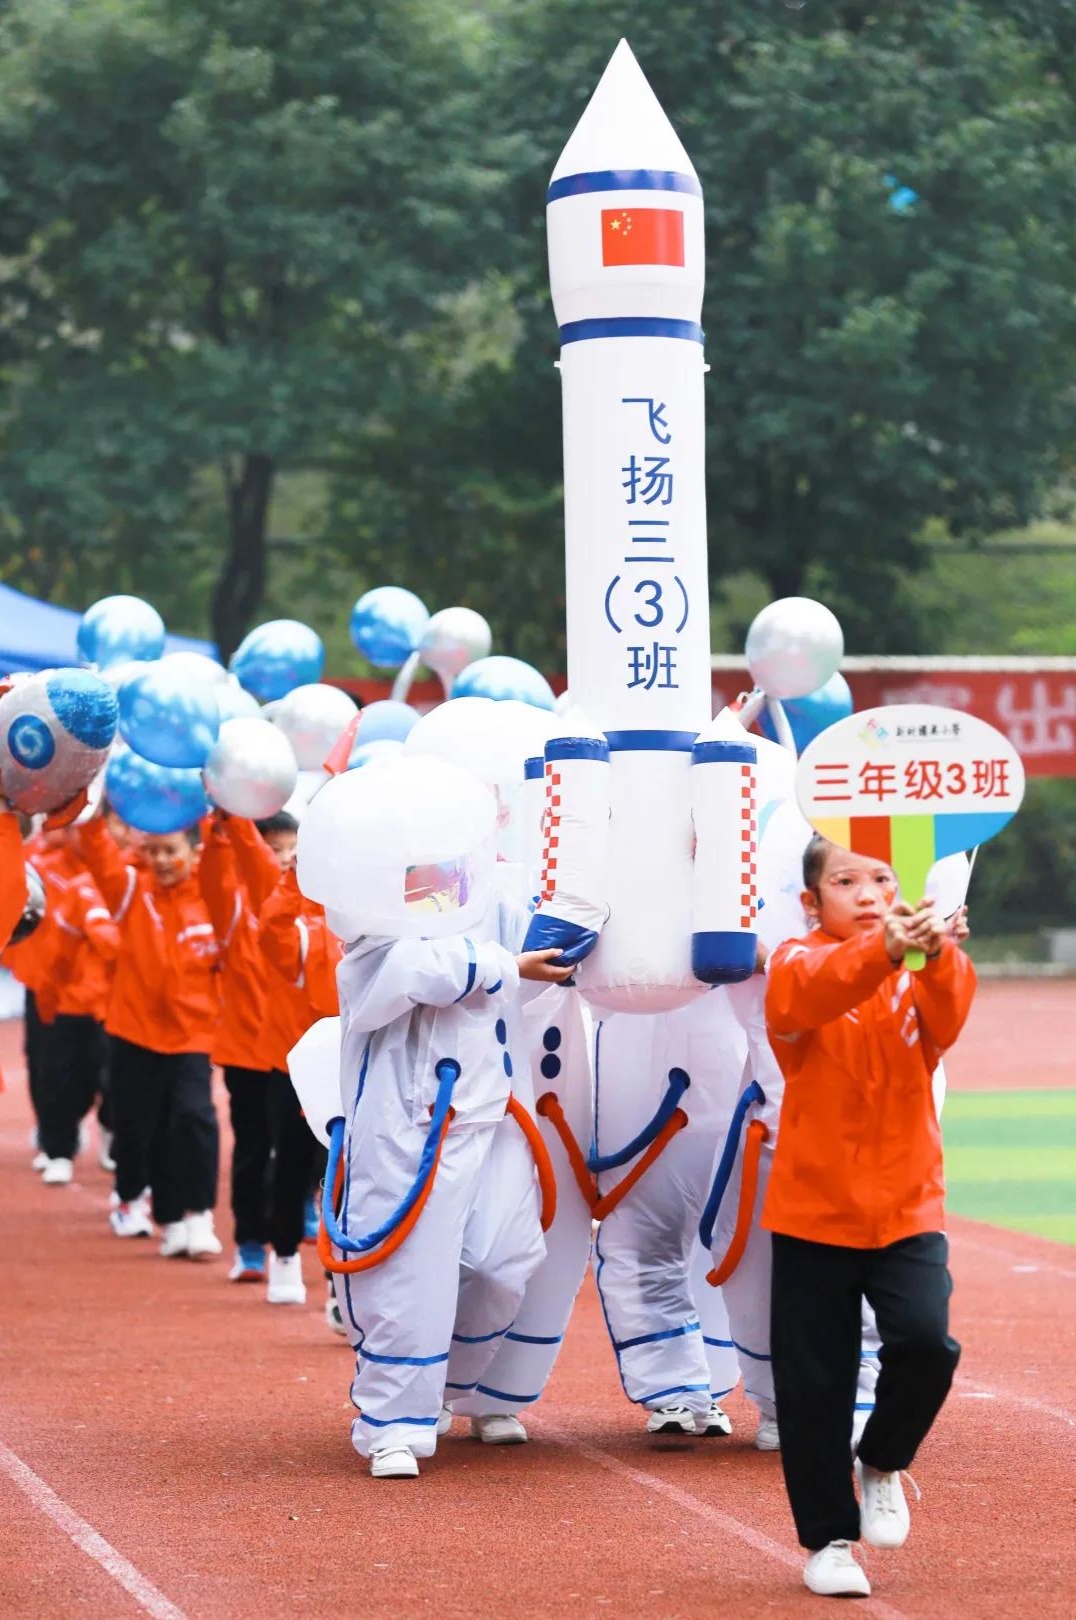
{"x": 627, "y": 270}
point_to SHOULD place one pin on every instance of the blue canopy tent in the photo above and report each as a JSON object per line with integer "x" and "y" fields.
{"x": 38, "y": 635}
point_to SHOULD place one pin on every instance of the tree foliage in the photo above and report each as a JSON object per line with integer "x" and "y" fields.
{"x": 223, "y": 217}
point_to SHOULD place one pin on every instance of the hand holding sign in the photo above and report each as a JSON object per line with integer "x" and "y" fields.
{"x": 909, "y": 785}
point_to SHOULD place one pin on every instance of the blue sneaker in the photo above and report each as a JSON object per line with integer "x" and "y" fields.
{"x": 311, "y": 1221}
{"x": 249, "y": 1263}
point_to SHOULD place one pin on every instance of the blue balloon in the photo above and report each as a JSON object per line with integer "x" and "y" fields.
{"x": 810, "y": 715}
{"x": 386, "y": 720}
{"x": 151, "y": 797}
{"x": 277, "y": 657}
{"x": 503, "y": 679}
{"x": 387, "y": 625}
{"x": 119, "y": 628}
{"x": 382, "y": 748}
{"x": 168, "y": 718}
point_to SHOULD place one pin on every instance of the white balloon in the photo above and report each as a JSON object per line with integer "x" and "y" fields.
{"x": 312, "y": 718}
{"x": 403, "y": 848}
{"x": 793, "y": 647}
{"x": 947, "y": 883}
{"x": 235, "y": 703}
{"x": 197, "y": 667}
{"x": 251, "y": 769}
{"x": 454, "y": 638}
{"x": 116, "y": 674}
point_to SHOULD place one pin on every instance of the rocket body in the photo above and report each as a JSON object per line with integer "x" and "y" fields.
{"x": 627, "y": 270}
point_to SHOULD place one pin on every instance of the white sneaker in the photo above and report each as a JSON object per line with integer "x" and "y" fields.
{"x": 833, "y": 1572}
{"x": 334, "y": 1316}
{"x": 716, "y": 1421}
{"x": 131, "y": 1220}
{"x": 39, "y": 1161}
{"x": 671, "y": 1420}
{"x": 395, "y": 1462}
{"x": 286, "y": 1286}
{"x": 174, "y": 1241}
{"x": 767, "y": 1435}
{"x": 444, "y": 1422}
{"x": 884, "y": 1519}
{"x": 104, "y": 1149}
{"x": 57, "y": 1172}
{"x": 202, "y": 1242}
{"x": 498, "y": 1429}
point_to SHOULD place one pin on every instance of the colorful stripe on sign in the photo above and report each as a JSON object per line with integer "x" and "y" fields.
{"x": 912, "y": 842}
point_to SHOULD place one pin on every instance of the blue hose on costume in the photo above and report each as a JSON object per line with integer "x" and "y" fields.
{"x": 753, "y": 1094}
{"x": 448, "y": 1072}
{"x": 678, "y": 1084}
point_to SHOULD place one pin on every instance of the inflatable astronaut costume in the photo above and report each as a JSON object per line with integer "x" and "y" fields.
{"x": 402, "y": 854}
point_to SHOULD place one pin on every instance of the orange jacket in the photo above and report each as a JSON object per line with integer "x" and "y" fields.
{"x": 165, "y": 992}
{"x": 12, "y": 875}
{"x": 28, "y": 960}
{"x": 240, "y": 1037}
{"x": 858, "y": 1160}
{"x": 297, "y": 942}
{"x": 76, "y": 978}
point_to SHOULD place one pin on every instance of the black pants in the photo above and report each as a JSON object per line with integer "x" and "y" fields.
{"x": 815, "y": 1336}
{"x": 273, "y": 1159}
{"x": 33, "y": 1032}
{"x": 73, "y": 1058}
{"x": 166, "y": 1129}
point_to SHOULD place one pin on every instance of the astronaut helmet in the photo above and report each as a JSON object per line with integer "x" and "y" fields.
{"x": 403, "y": 849}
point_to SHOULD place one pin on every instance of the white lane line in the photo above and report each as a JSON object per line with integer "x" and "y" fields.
{"x": 1017, "y": 1262}
{"x": 87, "y": 1540}
{"x": 703, "y": 1510}
{"x": 971, "y": 1386}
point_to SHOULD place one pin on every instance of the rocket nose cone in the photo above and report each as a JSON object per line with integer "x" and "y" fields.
{"x": 623, "y": 126}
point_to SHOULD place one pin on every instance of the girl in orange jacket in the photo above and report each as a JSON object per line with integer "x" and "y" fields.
{"x": 299, "y": 957}
{"x": 161, "y": 1017}
{"x": 76, "y": 967}
{"x": 855, "y": 1200}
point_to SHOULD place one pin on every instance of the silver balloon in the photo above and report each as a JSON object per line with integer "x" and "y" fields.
{"x": 33, "y": 911}
{"x": 251, "y": 769}
{"x": 793, "y": 647}
{"x": 454, "y": 638}
{"x": 313, "y": 718}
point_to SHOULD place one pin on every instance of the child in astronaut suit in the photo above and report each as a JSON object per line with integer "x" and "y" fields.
{"x": 438, "y": 1307}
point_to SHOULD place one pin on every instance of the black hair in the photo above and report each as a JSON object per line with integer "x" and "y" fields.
{"x": 282, "y": 822}
{"x": 814, "y": 860}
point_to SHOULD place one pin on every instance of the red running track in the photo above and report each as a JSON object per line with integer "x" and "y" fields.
{"x": 172, "y": 1446}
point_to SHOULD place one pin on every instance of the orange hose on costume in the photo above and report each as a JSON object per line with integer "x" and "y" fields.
{"x": 547, "y": 1181}
{"x": 757, "y": 1134}
{"x": 606, "y": 1205}
{"x": 366, "y": 1262}
{"x": 548, "y": 1105}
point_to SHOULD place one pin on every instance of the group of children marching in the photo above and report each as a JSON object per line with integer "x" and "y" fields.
{"x": 158, "y": 957}
{"x": 465, "y": 1063}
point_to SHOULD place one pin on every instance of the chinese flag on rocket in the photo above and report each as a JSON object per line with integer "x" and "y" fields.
{"x": 642, "y": 236}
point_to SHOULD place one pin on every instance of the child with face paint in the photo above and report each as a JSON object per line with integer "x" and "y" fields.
{"x": 856, "y": 1199}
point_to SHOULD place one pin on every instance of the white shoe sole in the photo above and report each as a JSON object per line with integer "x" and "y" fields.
{"x": 830, "y": 1590}
{"x": 396, "y": 1468}
{"x": 276, "y": 1296}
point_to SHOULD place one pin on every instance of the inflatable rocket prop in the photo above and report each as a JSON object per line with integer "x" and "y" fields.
{"x": 648, "y": 861}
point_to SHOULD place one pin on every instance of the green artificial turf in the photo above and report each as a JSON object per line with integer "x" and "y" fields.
{"x": 1010, "y": 1158}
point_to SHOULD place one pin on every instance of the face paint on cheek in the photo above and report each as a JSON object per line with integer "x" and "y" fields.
{"x": 889, "y": 894}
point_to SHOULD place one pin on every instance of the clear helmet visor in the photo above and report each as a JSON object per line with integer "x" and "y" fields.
{"x": 434, "y": 888}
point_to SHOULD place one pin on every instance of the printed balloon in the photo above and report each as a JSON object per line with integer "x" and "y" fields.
{"x": 277, "y": 657}
{"x": 251, "y": 769}
{"x": 56, "y": 728}
{"x": 168, "y": 717}
{"x": 387, "y": 624}
{"x": 119, "y": 628}
{"x": 153, "y": 798}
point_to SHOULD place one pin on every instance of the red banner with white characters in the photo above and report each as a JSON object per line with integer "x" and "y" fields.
{"x": 1035, "y": 709}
